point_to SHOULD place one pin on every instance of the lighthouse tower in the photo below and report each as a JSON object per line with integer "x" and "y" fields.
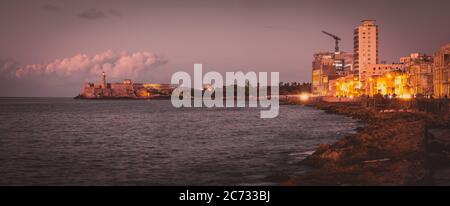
{"x": 103, "y": 80}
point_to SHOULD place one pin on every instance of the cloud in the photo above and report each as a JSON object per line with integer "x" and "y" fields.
{"x": 8, "y": 67}
{"x": 65, "y": 76}
{"x": 92, "y": 14}
{"x": 115, "y": 12}
{"x": 51, "y": 7}
{"x": 118, "y": 65}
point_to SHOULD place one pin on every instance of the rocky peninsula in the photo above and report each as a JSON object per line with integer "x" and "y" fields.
{"x": 394, "y": 148}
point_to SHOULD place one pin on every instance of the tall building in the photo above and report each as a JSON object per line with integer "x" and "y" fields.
{"x": 441, "y": 72}
{"x": 365, "y": 47}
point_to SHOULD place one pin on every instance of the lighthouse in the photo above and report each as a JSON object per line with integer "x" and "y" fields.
{"x": 103, "y": 80}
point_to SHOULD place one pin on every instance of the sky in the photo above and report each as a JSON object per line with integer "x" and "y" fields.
{"x": 49, "y": 48}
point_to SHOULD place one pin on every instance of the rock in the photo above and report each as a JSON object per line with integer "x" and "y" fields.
{"x": 390, "y": 150}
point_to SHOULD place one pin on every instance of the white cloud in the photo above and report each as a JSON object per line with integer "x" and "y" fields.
{"x": 81, "y": 66}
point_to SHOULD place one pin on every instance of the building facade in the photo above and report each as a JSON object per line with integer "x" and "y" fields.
{"x": 328, "y": 66}
{"x": 343, "y": 63}
{"x": 322, "y": 71}
{"x": 420, "y": 73}
{"x": 441, "y": 72}
{"x": 380, "y": 76}
{"x": 394, "y": 84}
{"x": 346, "y": 86}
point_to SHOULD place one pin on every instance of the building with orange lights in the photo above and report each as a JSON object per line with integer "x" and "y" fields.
{"x": 377, "y": 72}
{"x": 441, "y": 72}
{"x": 328, "y": 66}
{"x": 333, "y": 74}
{"x": 393, "y": 84}
{"x": 347, "y": 86}
{"x": 420, "y": 71}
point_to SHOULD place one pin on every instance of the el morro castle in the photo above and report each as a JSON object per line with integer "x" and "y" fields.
{"x": 125, "y": 90}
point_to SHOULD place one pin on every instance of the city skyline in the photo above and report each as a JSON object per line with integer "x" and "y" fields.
{"x": 162, "y": 37}
{"x": 254, "y": 96}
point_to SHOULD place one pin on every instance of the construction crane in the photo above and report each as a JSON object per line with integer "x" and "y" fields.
{"x": 336, "y": 40}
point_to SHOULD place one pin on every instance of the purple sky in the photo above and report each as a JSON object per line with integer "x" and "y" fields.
{"x": 48, "y": 48}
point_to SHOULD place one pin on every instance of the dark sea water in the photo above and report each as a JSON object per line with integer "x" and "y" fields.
{"x": 61, "y": 141}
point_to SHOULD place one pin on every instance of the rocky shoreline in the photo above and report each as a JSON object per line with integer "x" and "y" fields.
{"x": 394, "y": 148}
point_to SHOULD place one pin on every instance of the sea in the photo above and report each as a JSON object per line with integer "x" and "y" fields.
{"x": 63, "y": 141}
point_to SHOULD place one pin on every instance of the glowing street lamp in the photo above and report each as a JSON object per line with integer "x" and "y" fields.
{"x": 304, "y": 97}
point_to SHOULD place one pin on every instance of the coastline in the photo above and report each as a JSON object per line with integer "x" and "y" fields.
{"x": 393, "y": 148}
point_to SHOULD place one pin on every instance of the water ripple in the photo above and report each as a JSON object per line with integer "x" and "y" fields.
{"x": 59, "y": 141}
